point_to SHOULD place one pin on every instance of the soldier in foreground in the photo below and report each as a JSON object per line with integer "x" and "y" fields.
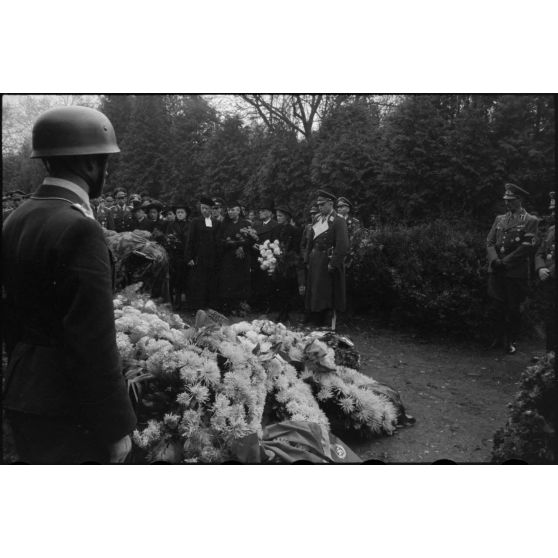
{"x": 64, "y": 394}
{"x": 509, "y": 245}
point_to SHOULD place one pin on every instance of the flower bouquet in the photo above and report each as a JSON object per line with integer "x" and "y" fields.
{"x": 269, "y": 254}
{"x": 249, "y": 233}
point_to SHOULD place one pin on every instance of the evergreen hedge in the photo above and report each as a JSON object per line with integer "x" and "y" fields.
{"x": 432, "y": 276}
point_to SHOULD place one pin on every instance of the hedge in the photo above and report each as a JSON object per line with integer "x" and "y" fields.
{"x": 432, "y": 276}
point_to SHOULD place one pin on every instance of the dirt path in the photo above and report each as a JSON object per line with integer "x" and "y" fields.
{"x": 457, "y": 393}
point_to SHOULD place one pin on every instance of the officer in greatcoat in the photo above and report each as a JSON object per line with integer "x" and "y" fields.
{"x": 545, "y": 266}
{"x": 64, "y": 394}
{"x": 509, "y": 246}
{"x": 328, "y": 246}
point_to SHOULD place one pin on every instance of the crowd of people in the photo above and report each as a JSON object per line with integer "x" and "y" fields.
{"x": 214, "y": 250}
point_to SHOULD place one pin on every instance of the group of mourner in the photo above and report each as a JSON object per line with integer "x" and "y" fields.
{"x": 64, "y": 394}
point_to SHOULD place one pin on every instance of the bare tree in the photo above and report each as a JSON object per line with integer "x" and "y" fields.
{"x": 304, "y": 113}
{"x": 298, "y": 112}
{"x": 20, "y": 111}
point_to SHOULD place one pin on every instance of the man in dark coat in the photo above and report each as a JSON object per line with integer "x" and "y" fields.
{"x": 121, "y": 214}
{"x": 218, "y": 209}
{"x": 64, "y": 393}
{"x": 329, "y": 243}
{"x": 307, "y": 233}
{"x": 262, "y": 284}
{"x": 344, "y": 208}
{"x": 509, "y": 246}
{"x": 201, "y": 258}
{"x": 545, "y": 265}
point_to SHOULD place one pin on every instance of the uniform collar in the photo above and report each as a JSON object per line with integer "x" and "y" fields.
{"x": 521, "y": 213}
{"x": 74, "y": 188}
{"x": 62, "y": 183}
{"x": 325, "y": 218}
{"x": 79, "y": 192}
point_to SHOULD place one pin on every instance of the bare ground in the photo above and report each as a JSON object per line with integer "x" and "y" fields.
{"x": 457, "y": 392}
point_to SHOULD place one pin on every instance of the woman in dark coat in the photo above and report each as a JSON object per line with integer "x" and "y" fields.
{"x": 289, "y": 273}
{"x": 140, "y": 220}
{"x": 201, "y": 259}
{"x": 176, "y": 235}
{"x": 234, "y": 251}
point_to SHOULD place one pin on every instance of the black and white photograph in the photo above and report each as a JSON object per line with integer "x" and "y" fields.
{"x": 278, "y": 278}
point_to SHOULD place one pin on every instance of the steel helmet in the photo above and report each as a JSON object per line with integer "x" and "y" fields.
{"x": 73, "y": 130}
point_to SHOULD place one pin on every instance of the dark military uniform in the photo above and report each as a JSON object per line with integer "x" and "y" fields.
{"x": 353, "y": 228}
{"x": 64, "y": 392}
{"x": 104, "y": 217}
{"x": 122, "y": 217}
{"x": 325, "y": 289}
{"x": 509, "y": 245}
{"x": 353, "y": 225}
{"x": 546, "y": 258}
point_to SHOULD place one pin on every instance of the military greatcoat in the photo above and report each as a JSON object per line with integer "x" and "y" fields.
{"x": 325, "y": 288}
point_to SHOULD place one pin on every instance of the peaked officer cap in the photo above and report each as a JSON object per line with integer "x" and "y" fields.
{"x": 324, "y": 194}
{"x": 344, "y": 201}
{"x": 513, "y": 192}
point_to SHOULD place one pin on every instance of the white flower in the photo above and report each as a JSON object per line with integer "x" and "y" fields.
{"x": 125, "y": 347}
{"x": 171, "y": 420}
{"x": 150, "y": 307}
{"x": 149, "y": 436}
